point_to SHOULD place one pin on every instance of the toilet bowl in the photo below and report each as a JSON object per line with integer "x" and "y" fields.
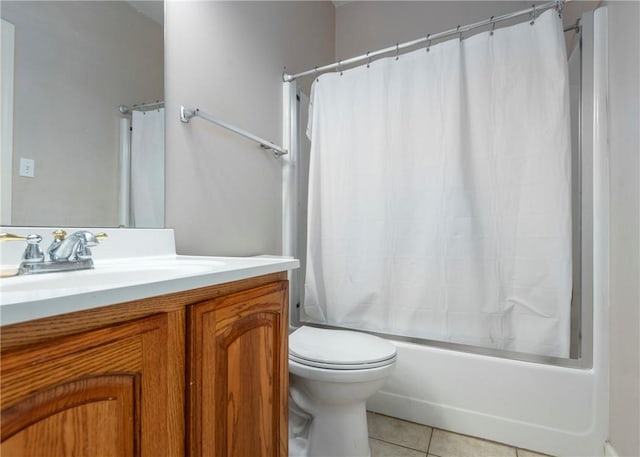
{"x": 331, "y": 375}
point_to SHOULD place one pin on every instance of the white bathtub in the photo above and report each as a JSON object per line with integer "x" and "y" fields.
{"x": 550, "y": 409}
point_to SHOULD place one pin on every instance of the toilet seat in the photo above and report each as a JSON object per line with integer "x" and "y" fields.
{"x": 333, "y": 366}
{"x": 339, "y": 349}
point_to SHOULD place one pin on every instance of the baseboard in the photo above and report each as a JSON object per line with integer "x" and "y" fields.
{"x": 609, "y": 451}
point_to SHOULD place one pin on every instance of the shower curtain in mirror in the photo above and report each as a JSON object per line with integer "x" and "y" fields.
{"x": 439, "y": 193}
{"x": 147, "y": 169}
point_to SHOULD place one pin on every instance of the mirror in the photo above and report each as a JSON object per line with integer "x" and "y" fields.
{"x": 69, "y": 156}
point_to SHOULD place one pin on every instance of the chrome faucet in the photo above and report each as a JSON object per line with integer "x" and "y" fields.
{"x": 74, "y": 247}
{"x": 65, "y": 253}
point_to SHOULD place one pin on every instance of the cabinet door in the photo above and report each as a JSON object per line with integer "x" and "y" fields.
{"x": 238, "y": 389}
{"x": 99, "y": 393}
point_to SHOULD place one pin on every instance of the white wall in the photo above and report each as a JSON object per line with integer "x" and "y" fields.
{"x": 227, "y": 58}
{"x": 624, "y": 138}
{"x": 75, "y": 62}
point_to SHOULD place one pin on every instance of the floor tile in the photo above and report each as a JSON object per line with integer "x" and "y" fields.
{"x": 525, "y": 453}
{"x": 382, "y": 449}
{"x": 396, "y": 431}
{"x": 447, "y": 444}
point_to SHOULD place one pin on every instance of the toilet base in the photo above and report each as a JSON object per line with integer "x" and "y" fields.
{"x": 336, "y": 433}
{"x": 329, "y": 427}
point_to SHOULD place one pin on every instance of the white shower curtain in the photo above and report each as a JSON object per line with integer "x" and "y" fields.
{"x": 147, "y": 169}
{"x": 439, "y": 193}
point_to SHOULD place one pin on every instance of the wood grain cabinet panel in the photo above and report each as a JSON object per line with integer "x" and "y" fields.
{"x": 98, "y": 393}
{"x": 238, "y": 370}
{"x": 199, "y": 373}
{"x": 79, "y": 418}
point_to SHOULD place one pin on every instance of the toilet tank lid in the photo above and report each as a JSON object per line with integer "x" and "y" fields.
{"x": 339, "y": 346}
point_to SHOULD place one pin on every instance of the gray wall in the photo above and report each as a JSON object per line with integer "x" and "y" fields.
{"x": 624, "y": 140}
{"x": 75, "y": 62}
{"x": 223, "y": 192}
{"x": 363, "y": 26}
{"x": 370, "y": 25}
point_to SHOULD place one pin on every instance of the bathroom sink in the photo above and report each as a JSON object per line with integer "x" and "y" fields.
{"x": 107, "y": 276}
{"x": 122, "y": 279}
{"x": 130, "y": 265}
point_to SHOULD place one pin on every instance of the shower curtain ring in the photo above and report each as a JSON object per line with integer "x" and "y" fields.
{"x": 397, "y": 50}
{"x": 459, "y": 33}
{"x": 493, "y": 25}
{"x": 428, "y": 42}
{"x": 339, "y": 65}
{"x": 315, "y": 73}
{"x": 368, "y": 59}
{"x": 533, "y": 14}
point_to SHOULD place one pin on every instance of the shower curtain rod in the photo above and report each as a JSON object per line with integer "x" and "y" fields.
{"x": 558, "y": 4}
{"x": 124, "y": 109}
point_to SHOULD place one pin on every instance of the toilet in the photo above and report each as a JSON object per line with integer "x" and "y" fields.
{"x": 331, "y": 375}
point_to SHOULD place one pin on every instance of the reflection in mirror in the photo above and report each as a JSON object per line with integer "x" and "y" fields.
{"x": 76, "y": 158}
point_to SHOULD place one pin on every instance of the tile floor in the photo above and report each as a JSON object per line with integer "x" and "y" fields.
{"x": 390, "y": 437}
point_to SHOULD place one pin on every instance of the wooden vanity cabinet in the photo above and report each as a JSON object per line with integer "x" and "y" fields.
{"x": 197, "y": 373}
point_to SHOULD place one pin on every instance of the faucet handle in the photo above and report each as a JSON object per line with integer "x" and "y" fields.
{"x": 33, "y": 253}
{"x": 11, "y": 237}
{"x": 59, "y": 235}
{"x": 89, "y": 239}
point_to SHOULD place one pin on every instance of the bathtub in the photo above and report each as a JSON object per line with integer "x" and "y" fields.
{"x": 550, "y": 409}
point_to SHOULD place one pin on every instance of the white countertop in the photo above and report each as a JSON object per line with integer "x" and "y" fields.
{"x": 118, "y": 279}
